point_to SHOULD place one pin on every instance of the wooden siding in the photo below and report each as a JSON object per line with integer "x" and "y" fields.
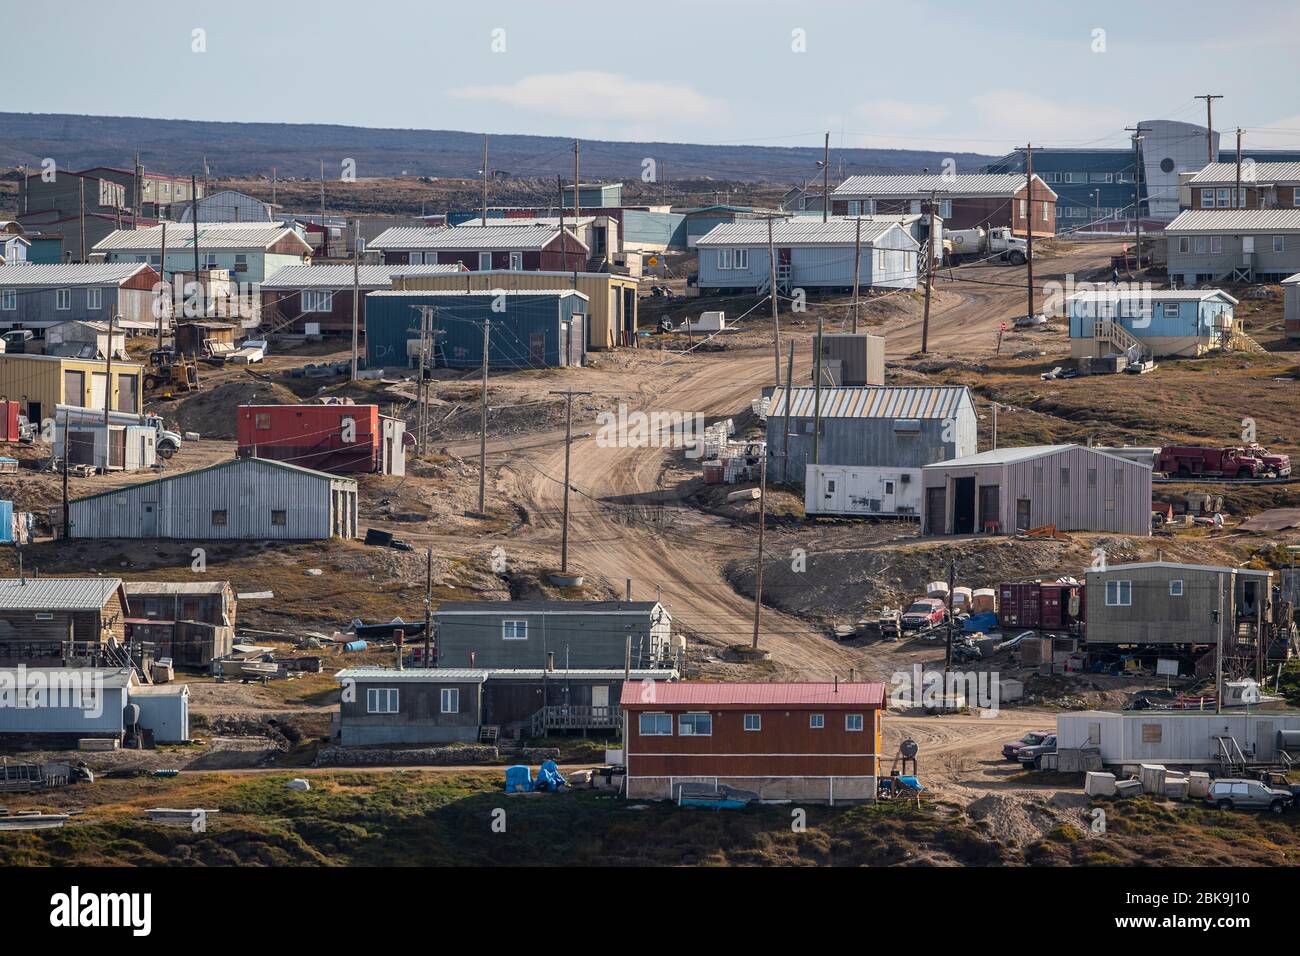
{"x": 419, "y": 718}
{"x": 579, "y": 641}
{"x": 1155, "y": 616}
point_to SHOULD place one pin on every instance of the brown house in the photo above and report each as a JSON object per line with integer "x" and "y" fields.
{"x": 297, "y": 297}
{"x": 964, "y": 201}
{"x": 193, "y": 623}
{"x": 817, "y": 742}
{"x": 1263, "y": 186}
{"x": 49, "y": 620}
{"x": 527, "y": 248}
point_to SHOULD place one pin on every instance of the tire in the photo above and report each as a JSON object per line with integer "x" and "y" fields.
{"x": 1277, "y": 806}
{"x": 1184, "y": 472}
{"x": 1016, "y": 258}
{"x": 166, "y": 451}
{"x": 1243, "y": 474}
{"x": 1225, "y": 804}
{"x": 1038, "y": 763}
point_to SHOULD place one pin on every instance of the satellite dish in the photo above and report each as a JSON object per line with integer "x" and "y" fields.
{"x": 908, "y": 748}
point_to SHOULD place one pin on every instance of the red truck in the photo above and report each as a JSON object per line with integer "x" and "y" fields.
{"x": 1237, "y": 461}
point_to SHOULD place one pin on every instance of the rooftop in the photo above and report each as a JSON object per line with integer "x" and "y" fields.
{"x": 56, "y": 594}
{"x": 742, "y": 695}
{"x": 1208, "y": 221}
{"x": 1178, "y": 566}
{"x": 546, "y": 607}
{"x": 872, "y": 401}
{"x": 212, "y": 235}
{"x": 969, "y": 184}
{"x": 1154, "y": 295}
{"x": 175, "y": 587}
{"x": 799, "y": 231}
{"x": 62, "y": 676}
{"x": 479, "y": 238}
{"x": 1017, "y": 453}
{"x": 66, "y": 274}
{"x": 1253, "y": 173}
{"x": 341, "y": 276}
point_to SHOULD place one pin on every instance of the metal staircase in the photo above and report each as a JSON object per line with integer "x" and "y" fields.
{"x": 1232, "y": 762}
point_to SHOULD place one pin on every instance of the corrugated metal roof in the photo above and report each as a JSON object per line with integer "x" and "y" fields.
{"x": 175, "y": 587}
{"x": 873, "y": 401}
{"x": 425, "y": 293}
{"x": 63, "y": 275}
{"x": 231, "y": 463}
{"x": 56, "y": 594}
{"x": 1178, "y": 566}
{"x": 480, "y": 238}
{"x": 1017, "y": 453}
{"x": 795, "y": 232}
{"x": 733, "y": 695}
{"x": 1235, "y": 220}
{"x": 479, "y": 675}
{"x": 1253, "y": 173}
{"x": 289, "y": 278}
{"x": 544, "y": 606}
{"x": 1152, "y": 295}
{"x": 457, "y": 675}
{"x": 105, "y": 677}
{"x": 971, "y": 184}
{"x": 212, "y": 235}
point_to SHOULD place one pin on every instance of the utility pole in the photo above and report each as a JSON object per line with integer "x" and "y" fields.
{"x": 577, "y": 207}
{"x": 564, "y": 243}
{"x": 485, "y": 177}
{"x": 81, "y": 181}
{"x": 1236, "y": 196}
{"x": 137, "y": 173}
{"x": 929, "y": 278}
{"x": 273, "y": 185}
{"x": 162, "y": 274}
{"x": 762, "y": 523}
{"x": 108, "y": 397}
{"x": 947, "y": 657}
{"x": 482, "y": 431}
{"x": 1209, "y": 123}
{"x": 195, "y": 222}
{"x": 356, "y": 292}
{"x": 324, "y": 234}
{"x": 785, "y": 446}
{"x": 826, "y": 179}
{"x": 1137, "y": 132}
{"x": 817, "y": 395}
{"x": 67, "y": 439}
{"x": 568, "y": 442}
{"x": 1218, "y": 651}
{"x": 1029, "y": 225}
{"x": 995, "y": 426}
{"x": 857, "y": 265}
{"x": 776, "y": 322}
{"x": 428, "y": 605}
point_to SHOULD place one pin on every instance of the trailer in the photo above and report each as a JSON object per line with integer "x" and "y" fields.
{"x": 866, "y": 491}
{"x": 1230, "y": 742}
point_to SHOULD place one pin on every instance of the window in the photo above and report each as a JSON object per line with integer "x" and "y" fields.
{"x": 1101, "y": 177}
{"x": 279, "y": 518}
{"x": 1200, "y": 245}
{"x": 9, "y": 300}
{"x": 1175, "y": 588}
{"x": 415, "y": 258}
{"x": 1184, "y": 244}
{"x": 1045, "y": 215}
{"x": 1171, "y": 310}
{"x": 317, "y": 300}
{"x": 450, "y": 700}
{"x": 724, "y": 259}
{"x": 1092, "y": 477}
{"x": 484, "y": 261}
{"x": 219, "y": 517}
{"x": 1216, "y": 245}
{"x": 945, "y": 208}
{"x": 241, "y": 262}
{"x": 1207, "y": 198}
{"x": 1225, "y": 198}
{"x": 1065, "y": 477}
{"x": 1152, "y": 733}
{"x": 516, "y": 261}
{"x": 210, "y": 260}
{"x": 816, "y": 721}
{"x": 63, "y": 299}
{"x": 656, "y": 725}
{"x": 262, "y": 421}
{"x": 514, "y": 630}
{"x": 754, "y": 722}
{"x": 1119, "y": 593}
{"x": 1023, "y": 213}
{"x": 742, "y": 258}
{"x": 1279, "y": 243}
{"x": 1295, "y": 196}
{"x": 94, "y": 298}
{"x": 853, "y": 722}
{"x": 381, "y": 700}
{"x": 695, "y": 725}
{"x": 854, "y": 207}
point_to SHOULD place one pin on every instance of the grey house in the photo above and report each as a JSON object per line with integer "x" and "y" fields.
{"x": 1233, "y": 245}
{"x": 244, "y": 498}
{"x": 1161, "y": 602}
{"x": 810, "y": 254}
{"x": 886, "y": 426}
{"x": 1014, "y": 489}
{"x": 555, "y": 634}
{"x": 39, "y": 296}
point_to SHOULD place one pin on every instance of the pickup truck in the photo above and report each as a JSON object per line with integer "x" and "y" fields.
{"x": 1011, "y": 751}
{"x": 924, "y": 614}
{"x": 1031, "y": 757}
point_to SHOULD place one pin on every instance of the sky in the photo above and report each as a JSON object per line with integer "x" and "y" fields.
{"x": 973, "y": 76}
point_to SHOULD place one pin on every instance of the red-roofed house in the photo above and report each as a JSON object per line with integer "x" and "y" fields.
{"x": 811, "y": 742}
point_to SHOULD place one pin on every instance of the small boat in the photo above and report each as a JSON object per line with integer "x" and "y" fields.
{"x": 33, "y": 820}
{"x": 171, "y": 817}
{"x": 387, "y": 631}
{"x": 721, "y": 797}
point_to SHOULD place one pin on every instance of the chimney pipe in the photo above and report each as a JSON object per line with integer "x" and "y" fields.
{"x": 471, "y": 658}
{"x": 629, "y": 589}
{"x": 852, "y": 672}
{"x": 837, "y": 683}
{"x": 398, "y": 637}
{"x": 550, "y": 661}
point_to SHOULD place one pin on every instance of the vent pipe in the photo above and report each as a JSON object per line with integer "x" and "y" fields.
{"x": 398, "y": 639}
{"x": 837, "y": 683}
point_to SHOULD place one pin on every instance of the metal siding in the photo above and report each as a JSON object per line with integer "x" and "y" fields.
{"x": 577, "y": 640}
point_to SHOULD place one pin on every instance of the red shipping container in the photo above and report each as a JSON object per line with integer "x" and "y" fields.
{"x": 1018, "y": 605}
{"x": 9, "y": 421}
{"x": 311, "y": 436}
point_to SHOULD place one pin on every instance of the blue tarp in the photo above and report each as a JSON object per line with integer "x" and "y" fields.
{"x": 6, "y": 518}
{"x": 519, "y": 779}
{"x": 980, "y": 622}
{"x": 548, "y": 777}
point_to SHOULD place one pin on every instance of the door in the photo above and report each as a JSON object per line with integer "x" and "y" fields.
{"x": 149, "y": 519}
{"x": 963, "y": 506}
{"x": 98, "y": 390}
{"x": 600, "y": 700}
{"x": 1022, "y": 514}
{"x": 127, "y": 397}
{"x": 936, "y": 505}
{"x": 537, "y": 348}
{"x": 598, "y": 240}
{"x": 1265, "y": 740}
{"x": 74, "y": 389}
{"x": 832, "y": 492}
{"x": 989, "y": 518}
{"x": 887, "y": 495}
{"x": 80, "y": 448}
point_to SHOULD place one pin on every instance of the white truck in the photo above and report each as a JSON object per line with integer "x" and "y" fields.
{"x": 166, "y": 442}
{"x": 979, "y": 243}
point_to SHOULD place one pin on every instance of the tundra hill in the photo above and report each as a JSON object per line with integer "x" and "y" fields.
{"x": 179, "y": 146}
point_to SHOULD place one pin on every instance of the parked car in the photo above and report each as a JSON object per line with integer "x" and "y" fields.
{"x": 1031, "y": 756}
{"x": 1012, "y": 750}
{"x": 1241, "y": 794}
{"x": 924, "y": 613}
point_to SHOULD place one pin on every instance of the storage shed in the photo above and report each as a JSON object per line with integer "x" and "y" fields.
{"x": 336, "y": 437}
{"x": 1187, "y": 739}
{"x": 1010, "y": 490}
{"x": 41, "y": 382}
{"x": 55, "y": 707}
{"x": 532, "y": 329}
{"x": 245, "y": 498}
{"x": 887, "y": 427}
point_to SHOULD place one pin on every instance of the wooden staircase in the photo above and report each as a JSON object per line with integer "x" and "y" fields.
{"x": 1112, "y": 332}
{"x": 1241, "y": 342}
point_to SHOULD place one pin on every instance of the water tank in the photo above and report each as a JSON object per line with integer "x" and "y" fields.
{"x": 131, "y": 715}
{"x": 1288, "y": 740}
{"x": 861, "y": 357}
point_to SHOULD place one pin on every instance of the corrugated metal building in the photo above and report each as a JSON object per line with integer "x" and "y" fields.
{"x": 246, "y": 498}
{"x": 1167, "y": 321}
{"x": 55, "y": 707}
{"x": 809, "y": 254}
{"x": 1014, "y": 489}
{"x": 532, "y": 329}
{"x": 818, "y": 742}
{"x": 889, "y": 426}
{"x": 1163, "y": 737}
{"x": 1233, "y": 245}
{"x": 335, "y": 437}
{"x": 1163, "y": 602}
{"x": 611, "y": 299}
{"x": 36, "y": 296}
{"x": 562, "y": 634}
{"x": 482, "y": 247}
{"x": 42, "y": 382}
{"x": 249, "y": 251}
{"x": 298, "y": 298}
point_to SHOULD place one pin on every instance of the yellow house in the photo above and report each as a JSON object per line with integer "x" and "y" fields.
{"x": 611, "y": 298}
{"x": 42, "y": 382}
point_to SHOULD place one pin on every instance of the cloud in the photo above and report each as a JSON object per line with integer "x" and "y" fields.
{"x": 582, "y": 94}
